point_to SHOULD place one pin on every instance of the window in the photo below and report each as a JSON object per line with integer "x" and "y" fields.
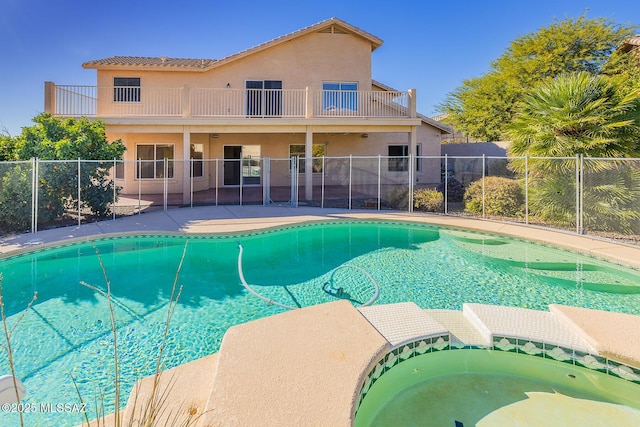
{"x": 126, "y": 89}
{"x": 318, "y": 150}
{"x": 399, "y": 158}
{"x": 251, "y": 164}
{"x": 340, "y": 96}
{"x": 151, "y": 161}
{"x": 264, "y": 98}
{"x": 197, "y": 154}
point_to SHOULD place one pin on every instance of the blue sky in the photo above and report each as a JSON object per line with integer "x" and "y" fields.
{"x": 431, "y": 46}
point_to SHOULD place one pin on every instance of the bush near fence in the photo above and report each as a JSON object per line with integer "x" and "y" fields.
{"x": 501, "y": 197}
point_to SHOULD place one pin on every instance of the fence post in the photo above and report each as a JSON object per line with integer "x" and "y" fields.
{"x": 578, "y": 193}
{"x": 350, "y": 166}
{"x": 411, "y": 160}
{"x": 322, "y": 184}
{"x": 379, "y": 178}
{"x": 582, "y": 194}
{"x": 217, "y": 171}
{"x": 446, "y": 184}
{"x": 483, "y": 173}
{"x": 139, "y": 165}
{"x": 79, "y": 211}
{"x": 241, "y": 175}
{"x": 294, "y": 183}
{"x": 191, "y": 182}
{"x": 113, "y": 206}
{"x": 34, "y": 197}
{"x": 165, "y": 182}
{"x": 526, "y": 189}
{"x": 266, "y": 181}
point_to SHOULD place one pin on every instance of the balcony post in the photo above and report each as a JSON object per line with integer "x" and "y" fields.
{"x": 50, "y": 98}
{"x": 186, "y": 101}
{"x": 413, "y": 111}
{"x": 308, "y": 105}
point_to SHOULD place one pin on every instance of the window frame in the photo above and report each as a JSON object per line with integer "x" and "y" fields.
{"x": 338, "y": 98}
{"x": 263, "y": 98}
{"x": 126, "y": 90}
{"x": 404, "y": 159}
{"x": 317, "y": 160}
{"x": 398, "y": 163}
{"x": 157, "y": 174}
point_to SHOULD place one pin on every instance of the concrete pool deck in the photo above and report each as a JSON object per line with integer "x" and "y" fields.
{"x": 308, "y": 366}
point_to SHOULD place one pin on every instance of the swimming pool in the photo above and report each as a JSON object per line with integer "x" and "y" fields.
{"x": 67, "y": 331}
{"x": 496, "y": 388}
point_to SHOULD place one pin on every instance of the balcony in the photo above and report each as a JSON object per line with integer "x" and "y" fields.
{"x": 188, "y": 102}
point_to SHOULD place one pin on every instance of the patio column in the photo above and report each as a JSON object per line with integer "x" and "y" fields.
{"x": 186, "y": 169}
{"x": 413, "y": 141}
{"x": 413, "y": 111}
{"x": 308, "y": 164}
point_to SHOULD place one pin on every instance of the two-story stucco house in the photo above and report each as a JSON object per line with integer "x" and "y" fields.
{"x": 307, "y": 94}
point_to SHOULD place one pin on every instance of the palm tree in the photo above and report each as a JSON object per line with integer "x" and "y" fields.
{"x": 581, "y": 114}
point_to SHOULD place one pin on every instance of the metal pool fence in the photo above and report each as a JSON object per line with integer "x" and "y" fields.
{"x": 599, "y": 196}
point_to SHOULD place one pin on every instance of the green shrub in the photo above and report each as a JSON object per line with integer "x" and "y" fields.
{"x": 502, "y": 197}
{"x": 428, "y": 200}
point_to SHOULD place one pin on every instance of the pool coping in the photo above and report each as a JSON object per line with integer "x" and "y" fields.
{"x": 617, "y": 337}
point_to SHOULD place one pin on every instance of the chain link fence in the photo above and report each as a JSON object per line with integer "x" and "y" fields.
{"x": 597, "y": 196}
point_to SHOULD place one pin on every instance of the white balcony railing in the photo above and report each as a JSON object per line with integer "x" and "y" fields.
{"x": 357, "y": 103}
{"x": 92, "y": 101}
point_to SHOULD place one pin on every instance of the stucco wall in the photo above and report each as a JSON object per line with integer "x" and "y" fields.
{"x": 276, "y": 146}
{"x": 306, "y": 61}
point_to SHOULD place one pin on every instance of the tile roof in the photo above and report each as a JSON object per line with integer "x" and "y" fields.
{"x": 155, "y": 62}
{"x": 630, "y": 43}
{"x": 635, "y": 40}
{"x": 331, "y": 24}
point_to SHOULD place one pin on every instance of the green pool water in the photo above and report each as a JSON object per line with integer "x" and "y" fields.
{"x": 66, "y": 332}
{"x": 492, "y": 388}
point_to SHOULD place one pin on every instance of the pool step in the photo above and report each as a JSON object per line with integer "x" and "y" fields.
{"x": 533, "y": 325}
{"x": 402, "y": 322}
{"x": 461, "y": 331}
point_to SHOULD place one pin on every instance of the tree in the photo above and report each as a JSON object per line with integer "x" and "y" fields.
{"x": 55, "y": 139}
{"x": 483, "y": 106}
{"x": 581, "y": 114}
{"x": 7, "y": 147}
{"x": 577, "y": 114}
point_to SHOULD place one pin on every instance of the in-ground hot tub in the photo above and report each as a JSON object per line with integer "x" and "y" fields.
{"x": 463, "y": 388}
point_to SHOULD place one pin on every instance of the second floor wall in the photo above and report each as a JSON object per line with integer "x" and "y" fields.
{"x": 307, "y": 61}
{"x": 321, "y": 71}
